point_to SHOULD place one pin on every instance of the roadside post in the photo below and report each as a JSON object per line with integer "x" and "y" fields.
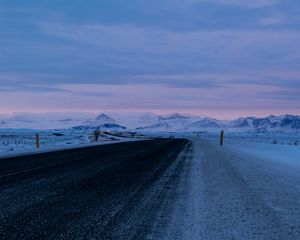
{"x": 222, "y": 138}
{"x": 37, "y": 141}
{"x": 97, "y": 134}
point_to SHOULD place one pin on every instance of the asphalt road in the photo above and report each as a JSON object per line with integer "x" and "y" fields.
{"x": 103, "y": 192}
{"x": 157, "y": 189}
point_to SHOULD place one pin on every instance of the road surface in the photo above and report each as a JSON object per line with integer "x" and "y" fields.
{"x": 156, "y": 189}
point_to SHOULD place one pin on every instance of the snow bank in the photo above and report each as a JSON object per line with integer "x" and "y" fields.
{"x": 17, "y": 141}
{"x": 285, "y": 154}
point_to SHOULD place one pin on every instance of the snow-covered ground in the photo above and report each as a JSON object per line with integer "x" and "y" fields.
{"x": 274, "y": 147}
{"x": 242, "y": 190}
{"x": 285, "y": 154}
{"x": 17, "y": 141}
{"x": 275, "y": 138}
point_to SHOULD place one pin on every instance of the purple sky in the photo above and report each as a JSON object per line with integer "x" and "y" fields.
{"x": 222, "y": 58}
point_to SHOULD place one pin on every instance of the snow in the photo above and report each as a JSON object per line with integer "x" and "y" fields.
{"x": 151, "y": 122}
{"x": 44, "y": 120}
{"x": 274, "y": 153}
{"x": 243, "y": 190}
{"x": 21, "y": 141}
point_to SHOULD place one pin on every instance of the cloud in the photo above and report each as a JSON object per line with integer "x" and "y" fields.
{"x": 248, "y": 3}
{"x": 242, "y": 3}
{"x": 141, "y": 50}
{"x": 212, "y": 43}
{"x": 284, "y": 94}
{"x": 126, "y": 54}
{"x": 273, "y": 20}
{"x": 153, "y": 55}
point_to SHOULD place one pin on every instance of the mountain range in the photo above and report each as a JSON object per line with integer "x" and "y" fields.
{"x": 149, "y": 122}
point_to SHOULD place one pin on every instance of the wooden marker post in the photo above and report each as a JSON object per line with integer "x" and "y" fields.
{"x": 222, "y": 138}
{"x": 37, "y": 141}
{"x": 97, "y": 134}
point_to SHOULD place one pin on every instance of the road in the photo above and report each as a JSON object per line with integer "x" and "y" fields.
{"x": 156, "y": 189}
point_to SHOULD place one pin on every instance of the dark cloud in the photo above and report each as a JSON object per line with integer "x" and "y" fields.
{"x": 209, "y": 46}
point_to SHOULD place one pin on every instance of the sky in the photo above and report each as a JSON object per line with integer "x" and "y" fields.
{"x": 221, "y": 58}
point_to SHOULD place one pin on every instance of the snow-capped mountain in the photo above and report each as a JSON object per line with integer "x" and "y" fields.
{"x": 173, "y": 116}
{"x": 241, "y": 123}
{"x": 102, "y": 121}
{"x": 287, "y": 122}
{"x": 44, "y": 120}
{"x": 204, "y": 123}
{"x": 135, "y": 120}
{"x": 148, "y": 122}
{"x": 269, "y": 123}
{"x": 261, "y": 123}
{"x": 169, "y": 123}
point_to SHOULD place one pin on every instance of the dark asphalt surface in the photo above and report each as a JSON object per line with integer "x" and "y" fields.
{"x": 102, "y": 192}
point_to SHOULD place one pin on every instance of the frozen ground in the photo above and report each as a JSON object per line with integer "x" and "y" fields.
{"x": 280, "y": 138}
{"x": 236, "y": 192}
{"x": 16, "y": 141}
{"x": 273, "y": 153}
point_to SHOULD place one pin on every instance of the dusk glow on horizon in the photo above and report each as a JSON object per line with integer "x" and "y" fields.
{"x": 221, "y": 58}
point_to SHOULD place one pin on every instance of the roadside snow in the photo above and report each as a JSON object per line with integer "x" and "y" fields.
{"x": 284, "y": 154}
{"x": 22, "y": 141}
{"x": 242, "y": 190}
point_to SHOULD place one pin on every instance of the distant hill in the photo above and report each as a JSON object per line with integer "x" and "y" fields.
{"x": 103, "y": 122}
{"x": 149, "y": 122}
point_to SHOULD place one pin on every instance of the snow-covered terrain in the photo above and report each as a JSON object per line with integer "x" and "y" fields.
{"x": 274, "y": 153}
{"x": 103, "y": 122}
{"x": 17, "y": 132}
{"x": 243, "y": 190}
{"x": 44, "y": 120}
{"x": 150, "y": 122}
{"x": 14, "y": 141}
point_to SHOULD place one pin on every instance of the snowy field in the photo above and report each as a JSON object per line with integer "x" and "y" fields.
{"x": 276, "y": 147}
{"x": 276, "y": 138}
{"x": 15, "y": 141}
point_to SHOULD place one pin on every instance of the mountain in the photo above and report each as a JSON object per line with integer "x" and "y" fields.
{"x": 100, "y": 120}
{"x": 104, "y": 118}
{"x": 148, "y": 122}
{"x": 44, "y": 120}
{"x": 205, "y": 123}
{"x": 261, "y": 123}
{"x": 287, "y": 122}
{"x": 103, "y": 122}
{"x": 169, "y": 123}
{"x": 173, "y": 116}
{"x": 135, "y": 120}
{"x": 181, "y": 123}
{"x": 105, "y": 127}
{"x": 269, "y": 123}
{"x": 241, "y": 123}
